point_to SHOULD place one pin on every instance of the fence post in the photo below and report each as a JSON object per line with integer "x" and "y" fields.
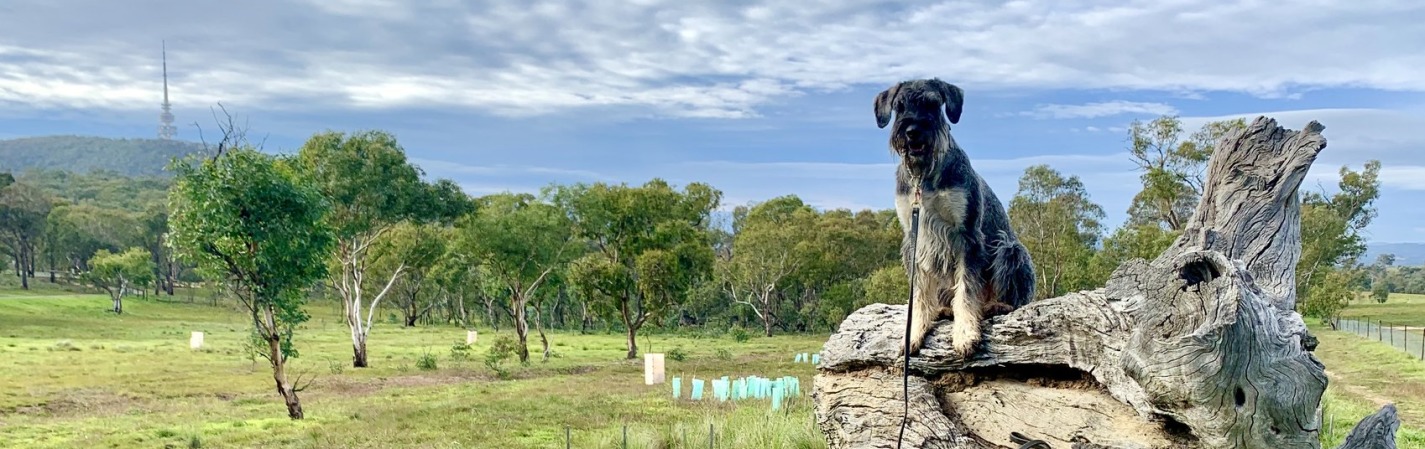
{"x": 710, "y": 436}
{"x": 1380, "y": 330}
{"x": 567, "y": 442}
{"x": 1392, "y": 335}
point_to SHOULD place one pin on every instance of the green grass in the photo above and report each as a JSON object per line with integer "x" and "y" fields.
{"x": 1400, "y": 309}
{"x": 1365, "y": 375}
{"x": 77, "y": 376}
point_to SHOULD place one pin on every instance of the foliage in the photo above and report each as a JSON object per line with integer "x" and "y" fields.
{"x": 460, "y": 351}
{"x": 501, "y": 351}
{"x": 769, "y": 247}
{"x": 370, "y": 187}
{"x": 250, "y": 220}
{"x": 102, "y": 188}
{"x": 418, "y": 248}
{"x": 426, "y": 362}
{"x": 84, "y": 154}
{"x": 649, "y": 245}
{"x": 1060, "y": 226}
{"x": 23, "y": 209}
{"x": 677, "y": 354}
{"x": 117, "y": 273}
{"x": 740, "y": 335}
{"x": 520, "y": 241}
{"x": 1331, "y": 240}
{"x": 1172, "y": 168}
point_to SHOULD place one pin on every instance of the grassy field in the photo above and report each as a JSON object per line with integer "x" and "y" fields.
{"x": 1399, "y": 309}
{"x": 77, "y": 376}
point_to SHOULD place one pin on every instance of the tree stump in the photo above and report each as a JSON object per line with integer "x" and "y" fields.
{"x": 1200, "y": 348}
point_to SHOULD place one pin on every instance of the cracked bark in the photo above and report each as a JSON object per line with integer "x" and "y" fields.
{"x": 1200, "y": 348}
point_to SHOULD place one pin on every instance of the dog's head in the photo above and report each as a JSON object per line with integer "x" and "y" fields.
{"x": 920, "y": 133}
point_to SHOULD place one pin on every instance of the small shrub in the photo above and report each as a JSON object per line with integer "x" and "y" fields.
{"x": 195, "y": 442}
{"x": 165, "y": 433}
{"x": 336, "y": 367}
{"x": 426, "y": 362}
{"x": 501, "y": 351}
{"x": 677, "y": 354}
{"x": 459, "y": 351}
{"x": 740, "y": 335}
{"x": 724, "y": 355}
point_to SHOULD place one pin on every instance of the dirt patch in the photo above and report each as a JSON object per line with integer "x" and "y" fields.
{"x": 350, "y": 386}
{"x": 80, "y": 402}
{"x": 1357, "y": 390}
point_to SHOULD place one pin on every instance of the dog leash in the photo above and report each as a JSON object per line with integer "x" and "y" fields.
{"x": 910, "y": 310}
{"x": 1014, "y": 437}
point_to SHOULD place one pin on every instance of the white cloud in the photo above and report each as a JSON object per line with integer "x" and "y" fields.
{"x": 445, "y": 169}
{"x": 695, "y": 60}
{"x": 1403, "y": 177}
{"x": 1102, "y": 109}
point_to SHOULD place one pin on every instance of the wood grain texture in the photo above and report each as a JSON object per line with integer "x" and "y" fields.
{"x": 1199, "y": 348}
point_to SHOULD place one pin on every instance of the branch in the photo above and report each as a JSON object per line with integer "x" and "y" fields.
{"x": 376, "y": 300}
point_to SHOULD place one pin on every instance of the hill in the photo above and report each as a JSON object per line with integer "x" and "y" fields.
{"x": 83, "y": 154}
{"x": 1406, "y": 254}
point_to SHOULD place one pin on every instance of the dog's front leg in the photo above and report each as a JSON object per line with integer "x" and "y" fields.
{"x": 966, "y": 304}
{"x": 927, "y": 308}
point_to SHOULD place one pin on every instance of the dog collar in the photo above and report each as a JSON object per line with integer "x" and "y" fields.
{"x": 916, "y": 201}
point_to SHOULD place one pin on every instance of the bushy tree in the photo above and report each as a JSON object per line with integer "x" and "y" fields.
{"x": 520, "y": 241}
{"x": 648, "y": 246}
{"x": 371, "y": 188}
{"x": 118, "y": 273}
{"x": 1056, "y": 221}
{"x": 250, "y": 220}
{"x": 23, "y": 209}
{"x": 1332, "y": 241}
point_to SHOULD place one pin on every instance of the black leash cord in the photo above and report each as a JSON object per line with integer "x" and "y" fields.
{"x": 909, "y": 313}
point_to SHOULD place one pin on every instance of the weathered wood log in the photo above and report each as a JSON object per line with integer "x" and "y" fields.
{"x": 1199, "y": 348}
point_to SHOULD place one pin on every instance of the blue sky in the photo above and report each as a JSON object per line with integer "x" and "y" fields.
{"x": 758, "y": 98}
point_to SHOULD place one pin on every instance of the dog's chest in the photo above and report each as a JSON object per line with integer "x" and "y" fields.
{"x": 941, "y": 210}
{"x": 942, "y": 222}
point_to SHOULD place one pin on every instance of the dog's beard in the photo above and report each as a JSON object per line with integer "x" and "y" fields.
{"x": 917, "y": 159}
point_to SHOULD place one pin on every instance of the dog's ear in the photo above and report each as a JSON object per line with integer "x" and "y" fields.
{"x": 884, "y": 101}
{"x": 954, "y": 98}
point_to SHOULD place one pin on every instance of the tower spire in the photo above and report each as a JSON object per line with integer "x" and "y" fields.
{"x": 166, "y": 130}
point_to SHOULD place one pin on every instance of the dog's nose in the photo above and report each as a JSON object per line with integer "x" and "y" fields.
{"x": 911, "y": 132}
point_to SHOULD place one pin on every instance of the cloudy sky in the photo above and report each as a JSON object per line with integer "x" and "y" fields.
{"x": 758, "y": 98}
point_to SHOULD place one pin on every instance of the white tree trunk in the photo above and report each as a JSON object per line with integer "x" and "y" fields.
{"x": 1200, "y": 348}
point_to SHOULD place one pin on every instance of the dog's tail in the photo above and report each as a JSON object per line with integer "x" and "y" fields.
{"x": 1013, "y": 272}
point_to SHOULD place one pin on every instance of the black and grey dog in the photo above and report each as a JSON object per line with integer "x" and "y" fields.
{"x": 970, "y": 265}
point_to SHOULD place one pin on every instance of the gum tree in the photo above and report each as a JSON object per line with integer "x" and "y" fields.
{"x": 250, "y": 220}
{"x": 648, "y": 246}
{"x": 371, "y": 188}
{"x": 520, "y": 242}
{"x": 117, "y": 273}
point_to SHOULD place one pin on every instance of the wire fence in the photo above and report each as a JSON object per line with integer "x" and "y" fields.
{"x": 1410, "y": 339}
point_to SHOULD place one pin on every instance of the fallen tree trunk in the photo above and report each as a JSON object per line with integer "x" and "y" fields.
{"x": 1199, "y": 348}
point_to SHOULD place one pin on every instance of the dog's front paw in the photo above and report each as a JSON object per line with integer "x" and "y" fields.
{"x": 965, "y": 348}
{"x": 965, "y": 338}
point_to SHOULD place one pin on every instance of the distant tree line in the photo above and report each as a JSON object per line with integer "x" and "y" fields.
{"x": 408, "y": 251}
